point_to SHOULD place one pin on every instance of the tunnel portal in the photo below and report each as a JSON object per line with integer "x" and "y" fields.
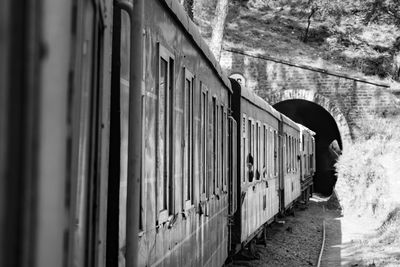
{"x": 316, "y": 118}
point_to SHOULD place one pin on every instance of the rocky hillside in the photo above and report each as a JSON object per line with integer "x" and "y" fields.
{"x": 337, "y": 43}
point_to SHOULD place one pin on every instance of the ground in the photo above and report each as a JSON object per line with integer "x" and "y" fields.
{"x": 295, "y": 241}
{"x": 350, "y": 240}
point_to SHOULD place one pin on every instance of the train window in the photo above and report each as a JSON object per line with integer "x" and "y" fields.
{"x": 287, "y": 153}
{"x": 272, "y": 140}
{"x": 219, "y": 140}
{"x": 203, "y": 122}
{"x": 244, "y": 149}
{"x": 221, "y": 147}
{"x": 260, "y": 149}
{"x": 306, "y": 155}
{"x": 210, "y": 147}
{"x": 253, "y": 149}
{"x": 265, "y": 151}
{"x": 196, "y": 171}
{"x": 214, "y": 154}
{"x": 291, "y": 152}
{"x": 270, "y": 153}
{"x": 267, "y": 139}
{"x": 188, "y": 149}
{"x": 226, "y": 127}
{"x": 276, "y": 153}
{"x": 297, "y": 154}
{"x": 249, "y": 157}
{"x": 312, "y": 153}
{"x": 260, "y": 143}
{"x": 165, "y": 136}
{"x": 216, "y": 144}
{"x": 256, "y": 155}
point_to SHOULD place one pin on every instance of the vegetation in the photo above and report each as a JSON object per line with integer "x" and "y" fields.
{"x": 368, "y": 173}
{"x": 218, "y": 27}
{"x": 368, "y": 189}
{"x": 359, "y": 37}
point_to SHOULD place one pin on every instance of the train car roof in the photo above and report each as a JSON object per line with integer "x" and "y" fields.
{"x": 261, "y": 103}
{"x": 289, "y": 122}
{"x": 180, "y": 14}
{"x": 304, "y": 128}
{"x": 258, "y": 101}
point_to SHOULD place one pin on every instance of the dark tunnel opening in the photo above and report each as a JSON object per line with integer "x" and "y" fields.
{"x": 322, "y": 123}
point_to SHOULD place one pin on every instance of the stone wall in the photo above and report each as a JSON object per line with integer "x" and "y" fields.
{"x": 346, "y": 98}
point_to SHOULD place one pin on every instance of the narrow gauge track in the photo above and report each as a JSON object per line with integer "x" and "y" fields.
{"x": 322, "y": 245}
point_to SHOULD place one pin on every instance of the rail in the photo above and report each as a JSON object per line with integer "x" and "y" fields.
{"x": 323, "y": 244}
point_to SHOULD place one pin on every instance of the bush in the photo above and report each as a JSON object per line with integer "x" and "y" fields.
{"x": 368, "y": 170}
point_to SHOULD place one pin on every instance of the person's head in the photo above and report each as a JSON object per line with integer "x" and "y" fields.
{"x": 250, "y": 159}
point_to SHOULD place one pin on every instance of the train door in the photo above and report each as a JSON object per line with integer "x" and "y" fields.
{"x": 86, "y": 226}
{"x": 119, "y": 121}
{"x": 281, "y": 163}
{"x": 125, "y": 157}
{"x": 232, "y": 177}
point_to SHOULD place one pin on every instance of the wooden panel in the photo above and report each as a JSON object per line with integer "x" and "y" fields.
{"x": 261, "y": 197}
{"x": 253, "y": 213}
{"x": 192, "y": 235}
{"x": 291, "y": 175}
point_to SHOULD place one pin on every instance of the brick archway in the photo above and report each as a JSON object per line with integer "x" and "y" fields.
{"x": 320, "y": 100}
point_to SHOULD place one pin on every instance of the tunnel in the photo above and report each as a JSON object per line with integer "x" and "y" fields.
{"x": 316, "y": 118}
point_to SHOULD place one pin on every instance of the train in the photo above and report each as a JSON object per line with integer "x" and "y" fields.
{"x": 123, "y": 142}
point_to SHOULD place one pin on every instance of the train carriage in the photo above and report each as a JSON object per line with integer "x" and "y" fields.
{"x": 185, "y": 148}
{"x": 120, "y": 144}
{"x": 290, "y": 183}
{"x": 307, "y": 161}
{"x": 258, "y": 171}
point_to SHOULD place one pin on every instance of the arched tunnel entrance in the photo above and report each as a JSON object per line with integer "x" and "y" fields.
{"x": 316, "y": 118}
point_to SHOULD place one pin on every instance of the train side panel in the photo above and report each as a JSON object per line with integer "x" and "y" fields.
{"x": 184, "y": 202}
{"x": 259, "y": 176}
{"x": 307, "y": 160}
{"x": 291, "y": 163}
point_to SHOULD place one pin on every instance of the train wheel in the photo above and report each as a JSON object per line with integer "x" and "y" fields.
{"x": 252, "y": 249}
{"x": 307, "y": 195}
{"x": 265, "y": 233}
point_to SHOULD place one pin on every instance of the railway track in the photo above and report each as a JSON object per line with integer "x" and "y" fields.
{"x": 322, "y": 245}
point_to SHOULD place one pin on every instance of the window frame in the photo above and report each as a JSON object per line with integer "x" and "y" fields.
{"x": 188, "y": 174}
{"x": 243, "y": 137}
{"x": 214, "y": 103}
{"x": 204, "y": 121}
{"x": 167, "y": 188}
